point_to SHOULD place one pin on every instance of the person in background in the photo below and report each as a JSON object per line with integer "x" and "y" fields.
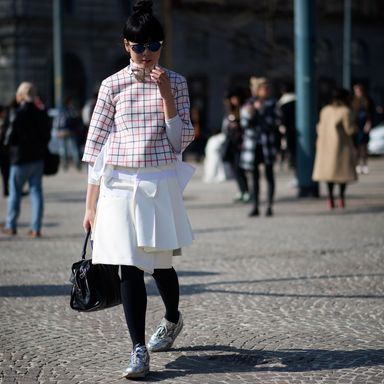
{"x": 28, "y": 139}
{"x": 286, "y": 113}
{"x": 87, "y": 110}
{"x": 215, "y": 169}
{"x": 140, "y": 127}
{"x": 363, "y": 111}
{"x": 4, "y": 151}
{"x": 258, "y": 118}
{"x": 335, "y": 158}
{"x": 231, "y": 127}
{"x": 68, "y": 125}
{"x": 86, "y": 115}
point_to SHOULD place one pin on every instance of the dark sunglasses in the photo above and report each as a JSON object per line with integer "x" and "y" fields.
{"x": 140, "y": 48}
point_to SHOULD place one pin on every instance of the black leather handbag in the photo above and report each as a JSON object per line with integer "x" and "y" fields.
{"x": 94, "y": 286}
{"x": 51, "y": 163}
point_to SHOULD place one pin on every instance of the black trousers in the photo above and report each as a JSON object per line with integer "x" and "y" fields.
{"x": 269, "y": 176}
{"x": 239, "y": 173}
{"x": 134, "y": 298}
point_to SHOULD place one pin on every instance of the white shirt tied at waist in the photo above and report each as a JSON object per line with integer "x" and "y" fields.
{"x": 183, "y": 171}
{"x": 154, "y": 195}
{"x": 150, "y": 205}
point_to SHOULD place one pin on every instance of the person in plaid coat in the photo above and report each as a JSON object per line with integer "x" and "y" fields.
{"x": 259, "y": 121}
{"x": 138, "y": 130}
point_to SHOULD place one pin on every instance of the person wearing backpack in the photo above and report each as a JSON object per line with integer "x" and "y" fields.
{"x": 28, "y": 141}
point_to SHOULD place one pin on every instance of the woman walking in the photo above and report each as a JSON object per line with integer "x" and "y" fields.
{"x": 140, "y": 126}
{"x": 259, "y": 120}
{"x": 335, "y": 153}
{"x": 234, "y": 134}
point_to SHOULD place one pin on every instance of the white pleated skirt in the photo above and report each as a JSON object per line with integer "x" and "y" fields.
{"x": 141, "y": 218}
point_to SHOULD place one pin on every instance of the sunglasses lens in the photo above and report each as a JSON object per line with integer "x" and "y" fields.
{"x": 138, "y": 48}
{"x": 155, "y": 46}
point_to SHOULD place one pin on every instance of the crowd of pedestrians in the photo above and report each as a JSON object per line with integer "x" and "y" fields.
{"x": 260, "y": 129}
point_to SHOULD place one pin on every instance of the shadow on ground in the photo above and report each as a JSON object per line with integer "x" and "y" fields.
{"x": 224, "y": 359}
{"x": 209, "y": 287}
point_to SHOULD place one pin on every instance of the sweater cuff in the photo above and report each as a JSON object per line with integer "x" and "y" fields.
{"x": 174, "y": 128}
{"x": 92, "y": 180}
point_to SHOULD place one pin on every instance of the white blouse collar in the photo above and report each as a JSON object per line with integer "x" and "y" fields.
{"x": 142, "y": 75}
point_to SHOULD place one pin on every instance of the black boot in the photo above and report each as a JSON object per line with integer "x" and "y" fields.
{"x": 254, "y": 212}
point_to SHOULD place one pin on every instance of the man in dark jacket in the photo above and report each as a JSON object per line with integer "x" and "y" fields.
{"x": 27, "y": 140}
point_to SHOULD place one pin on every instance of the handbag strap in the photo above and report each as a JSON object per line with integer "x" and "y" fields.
{"x": 85, "y": 245}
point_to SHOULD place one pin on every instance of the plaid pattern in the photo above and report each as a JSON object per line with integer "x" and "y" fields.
{"x": 260, "y": 129}
{"x": 132, "y": 113}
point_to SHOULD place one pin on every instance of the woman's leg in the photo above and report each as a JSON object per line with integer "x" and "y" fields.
{"x": 169, "y": 328}
{"x": 36, "y": 196}
{"x": 343, "y": 187}
{"x": 17, "y": 178}
{"x": 331, "y": 199}
{"x": 364, "y": 156}
{"x": 256, "y": 177}
{"x": 269, "y": 175}
{"x": 134, "y": 299}
{"x": 168, "y": 285}
{"x": 241, "y": 177}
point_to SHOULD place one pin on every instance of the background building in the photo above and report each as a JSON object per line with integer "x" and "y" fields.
{"x": 92, "y": 45}
{"x": 216, "y": 44}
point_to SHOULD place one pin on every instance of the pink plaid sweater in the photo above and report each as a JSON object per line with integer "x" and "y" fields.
{"x": 132, "y": 113}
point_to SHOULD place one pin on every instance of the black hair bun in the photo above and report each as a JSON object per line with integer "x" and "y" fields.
{"x": 143, "y": 7}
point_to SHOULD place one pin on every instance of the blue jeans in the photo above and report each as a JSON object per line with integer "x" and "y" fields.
{"x": 19, "y": 175}
{"x": 69, "y": 147}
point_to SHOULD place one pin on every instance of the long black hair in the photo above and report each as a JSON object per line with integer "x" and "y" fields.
{"x": 143, "y": 26}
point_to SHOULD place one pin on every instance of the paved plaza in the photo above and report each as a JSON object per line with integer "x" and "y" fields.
{"x": 297, "y": 298}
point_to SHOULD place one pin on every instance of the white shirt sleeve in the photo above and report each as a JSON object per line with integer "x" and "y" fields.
{"x": 92, "y": 180}
{"x": 174, "y": 127}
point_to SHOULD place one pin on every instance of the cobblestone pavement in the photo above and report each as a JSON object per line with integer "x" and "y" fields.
{"x": 297, "y": 298}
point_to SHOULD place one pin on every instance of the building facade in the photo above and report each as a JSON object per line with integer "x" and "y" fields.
{"x": 215, "y": 44}
{"x": 92, "y": 45}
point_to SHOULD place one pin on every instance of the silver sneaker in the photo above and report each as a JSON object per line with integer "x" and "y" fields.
{"x": 139, "y": 365}
{"x": 165, "y": 335}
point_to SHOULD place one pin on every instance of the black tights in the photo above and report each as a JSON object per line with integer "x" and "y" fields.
{"x": 271, "y": 184}
{"x": 239, "y": 173}
{"x": 343, "y": 187}
{"x": 134, "y": 298}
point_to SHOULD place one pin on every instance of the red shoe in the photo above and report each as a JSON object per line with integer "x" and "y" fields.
{"x": 341, "y": 203}
{"x": 330, "y": 204}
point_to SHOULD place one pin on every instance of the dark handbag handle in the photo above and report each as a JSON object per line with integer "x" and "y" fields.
{"x": 84, "y": 253}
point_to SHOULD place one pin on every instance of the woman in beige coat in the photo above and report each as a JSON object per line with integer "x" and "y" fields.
{"x": 335, "y": 154}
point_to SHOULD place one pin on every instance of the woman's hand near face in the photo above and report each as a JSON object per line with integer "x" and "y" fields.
{"x": 160, "y": 77}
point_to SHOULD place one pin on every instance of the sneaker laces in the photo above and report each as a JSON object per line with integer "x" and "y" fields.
{"x": 137, "y": 354}
{"x": 161, "y": 331}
